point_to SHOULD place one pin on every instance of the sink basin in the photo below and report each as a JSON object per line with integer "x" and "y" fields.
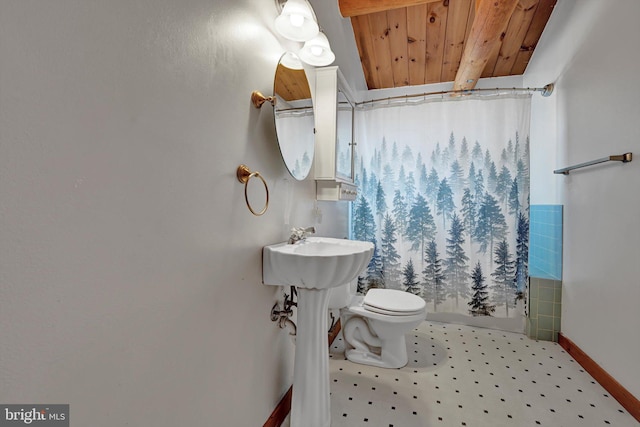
{"x": 315, "y": 263}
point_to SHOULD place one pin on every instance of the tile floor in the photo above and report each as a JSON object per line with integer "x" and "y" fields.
{"x": 467, "y": 376}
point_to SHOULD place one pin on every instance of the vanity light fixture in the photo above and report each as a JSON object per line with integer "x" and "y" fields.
{"x": 297, "y": 21}
{"x": 317, "y": 51}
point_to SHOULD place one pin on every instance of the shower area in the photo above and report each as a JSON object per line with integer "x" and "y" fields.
{"x": 444, "y": 196}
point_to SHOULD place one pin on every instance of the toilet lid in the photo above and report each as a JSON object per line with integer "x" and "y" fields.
{"x": 393, "y": 302}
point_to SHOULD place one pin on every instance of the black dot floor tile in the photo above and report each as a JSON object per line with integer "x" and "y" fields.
{"x": 468, "y": 376}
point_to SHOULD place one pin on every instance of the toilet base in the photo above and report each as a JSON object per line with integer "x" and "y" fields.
{"x": 372, "y": 359}
{"x": 376, "y": 339}
{"x": 363, "y": 346}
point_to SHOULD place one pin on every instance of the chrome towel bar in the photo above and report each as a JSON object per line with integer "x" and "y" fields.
{"x": 624, "y": 158}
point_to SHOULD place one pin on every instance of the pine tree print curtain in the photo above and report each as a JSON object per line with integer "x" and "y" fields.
{"x": 444, "y": 196}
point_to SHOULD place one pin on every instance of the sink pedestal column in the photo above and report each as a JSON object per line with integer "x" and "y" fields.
{"x": 310, "y": 405}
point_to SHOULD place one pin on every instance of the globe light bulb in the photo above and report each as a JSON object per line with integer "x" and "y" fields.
{"x": 296, "y": 20}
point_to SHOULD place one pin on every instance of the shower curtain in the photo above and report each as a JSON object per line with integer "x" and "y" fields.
{"x": 444, "y": 196}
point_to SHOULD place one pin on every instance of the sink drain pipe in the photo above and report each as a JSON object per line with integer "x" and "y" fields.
{"x": 283, "y": 316}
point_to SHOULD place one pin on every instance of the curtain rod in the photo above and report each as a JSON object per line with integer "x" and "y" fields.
{"x": 545, "y": 91}
{"x": 307, "y": 108}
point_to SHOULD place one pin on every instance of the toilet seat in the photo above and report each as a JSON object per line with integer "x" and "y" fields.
{"x": 389, "y": 312}
{"x": 393, "y": 302}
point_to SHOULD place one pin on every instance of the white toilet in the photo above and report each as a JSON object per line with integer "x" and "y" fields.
{"x": 374, "y": 325}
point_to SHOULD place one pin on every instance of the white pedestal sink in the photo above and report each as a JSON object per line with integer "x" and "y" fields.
{"x": 314, "y": 266}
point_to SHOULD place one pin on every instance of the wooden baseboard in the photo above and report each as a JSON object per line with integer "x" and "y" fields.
{"x": 621, "y": 394}
{"x": 333, "y": 332}
{"x": 284, "y": 406}
{"x": 282, "y": 410}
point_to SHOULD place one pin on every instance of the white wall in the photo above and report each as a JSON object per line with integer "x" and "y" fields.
{"x": 595, "y": 113}
{"x": 130, "y": 267}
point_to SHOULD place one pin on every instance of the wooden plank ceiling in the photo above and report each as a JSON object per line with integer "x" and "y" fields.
{"x": 415, "y": 42}
{"x": 291, "y": 85}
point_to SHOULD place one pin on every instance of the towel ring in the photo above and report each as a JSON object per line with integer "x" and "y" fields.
{"x": 244, "y": 176}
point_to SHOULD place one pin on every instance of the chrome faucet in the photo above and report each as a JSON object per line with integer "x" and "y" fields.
{"x": 299, "y": 233}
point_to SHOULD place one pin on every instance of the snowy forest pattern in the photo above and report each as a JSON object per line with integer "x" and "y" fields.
{"x": 450, "y": 222}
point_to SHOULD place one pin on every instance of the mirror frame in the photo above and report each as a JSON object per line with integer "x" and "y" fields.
{"x": 289, "y": 90}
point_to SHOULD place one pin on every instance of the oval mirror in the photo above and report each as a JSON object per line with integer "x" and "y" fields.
{"x": 293, "y": 113}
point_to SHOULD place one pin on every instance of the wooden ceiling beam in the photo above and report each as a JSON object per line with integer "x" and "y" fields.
{"x": 491, "y": 20}
{"x": 350, "y": 8}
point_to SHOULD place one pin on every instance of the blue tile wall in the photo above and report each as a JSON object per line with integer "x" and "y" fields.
{"x": 545, "y": 241}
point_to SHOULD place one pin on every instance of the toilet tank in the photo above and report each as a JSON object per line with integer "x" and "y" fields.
{"x": 340, "y": 296}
